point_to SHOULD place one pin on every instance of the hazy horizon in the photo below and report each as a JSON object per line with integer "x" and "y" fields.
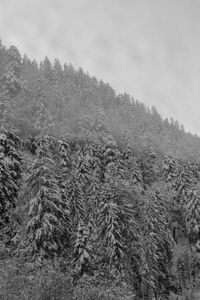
{"x": 148, "y": 49}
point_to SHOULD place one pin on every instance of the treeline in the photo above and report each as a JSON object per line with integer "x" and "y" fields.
{"x": 96, "y": 201}
{"x": 78, "y": 105}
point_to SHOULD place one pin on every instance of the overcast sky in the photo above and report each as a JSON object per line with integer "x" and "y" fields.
{"x": 147, "y": 48}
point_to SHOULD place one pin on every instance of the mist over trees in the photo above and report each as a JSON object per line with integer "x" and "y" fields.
{"x": 99, "y": 196}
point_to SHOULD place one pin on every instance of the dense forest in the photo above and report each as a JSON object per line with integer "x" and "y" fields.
{"x": 99, "y": 195}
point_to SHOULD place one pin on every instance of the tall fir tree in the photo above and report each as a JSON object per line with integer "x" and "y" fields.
{"x": 192, "y": 215}
{"x": 44, "y": 123}
{"x": 158, "y": 242}
{"x": 46, "y": 206}
{"x": 10, "y": 177}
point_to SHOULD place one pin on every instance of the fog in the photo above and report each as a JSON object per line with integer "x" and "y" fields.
{"x": 149, "y": 49}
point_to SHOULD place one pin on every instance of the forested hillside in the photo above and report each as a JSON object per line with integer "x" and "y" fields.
{"x": 99, "y": 196}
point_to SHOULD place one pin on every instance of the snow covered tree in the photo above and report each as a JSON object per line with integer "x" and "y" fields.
{"x": 192, "y": 215}
{"x": 75, "y": 194}
{"x": 63, "y": 175}
{"x": 115, "y": 216}
{"x": 10, "y": 175}
{"x": 58, "y": 71}
{"x": 135, "y": 261}
{"x": 110, "y": 227}
{"x": 12, "y": 81}
{"x": 82, "y": 249}
{"x": 170, "y": 168}
{"x": 82, "y": 166}
{"x": 148, "y": 166}
{"x": 158, "y": 243}
{"x": 183, "y": 184}
{"x": 46, "y": 206}
{"x": 134, "y": 171}
{"x": 43, "y": 119}
{"x": 93, "y": 166}
{"x": 47, "y": 70}
{"x": 59, "y": 103}
{"x": 12, "y": 84}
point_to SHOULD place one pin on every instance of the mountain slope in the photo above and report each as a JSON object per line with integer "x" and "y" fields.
{"x": 99, "y": 195}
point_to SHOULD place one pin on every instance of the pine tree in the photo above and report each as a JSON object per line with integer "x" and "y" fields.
{"x": 76, "y": 197}
{"x": 47, "y": 70}
{"x": 59, "y": 103}
{"x": 11, "y": 85}
{"x": 43, "y": 119}
{"x": 94, "y": 176}
{"x": 158, "y": 243}
{"x": 169, "y": 168}
{"x": 46, "y": 207}
{"x": 82, "y": 166}
{"x": 148, "y": 166}
{"x": 64, "y": 156}
{"x": 10, "y": 176}
{"x": 110, "y": 227}
{"x": 58, "y": 71}
{"x": 82, "y": 250}
{"x": 95, "y": 160}
{"x": 183, "y": 185}
{"x": 192, "y": 215}
{"x": 12, "y": 80}
{"x": 63, "y": 175}
{"x": 134, "y": 171}
{"x": 135, "y": 261}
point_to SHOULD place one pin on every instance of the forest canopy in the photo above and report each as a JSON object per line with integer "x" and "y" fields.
{"x": 99, "y": 195}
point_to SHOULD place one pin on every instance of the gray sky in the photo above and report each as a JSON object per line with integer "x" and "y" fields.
{"x": 147, "y": 48}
